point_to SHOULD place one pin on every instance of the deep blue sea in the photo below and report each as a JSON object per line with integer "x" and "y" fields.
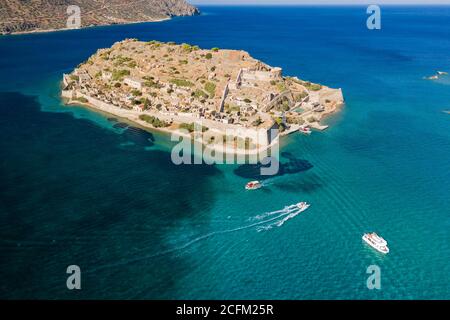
{"x": 80, "y": 188}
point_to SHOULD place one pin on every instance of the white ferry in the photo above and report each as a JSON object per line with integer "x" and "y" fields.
{"x": 303, "y": 206}
{"x": 253, "y": 185}
{"x": 305, "y": 130}
{"x": 376, "y": 242}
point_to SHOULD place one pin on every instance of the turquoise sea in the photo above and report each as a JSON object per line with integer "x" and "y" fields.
{"x": 77, "y": 188}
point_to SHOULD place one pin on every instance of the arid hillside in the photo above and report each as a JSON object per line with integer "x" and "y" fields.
{"x": 24, "y": 16}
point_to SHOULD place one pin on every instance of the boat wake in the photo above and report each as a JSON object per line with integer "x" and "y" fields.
{"x": 280, "y": 217}
{"x": 261, "y": 222}
{"x": 285, "y": 211}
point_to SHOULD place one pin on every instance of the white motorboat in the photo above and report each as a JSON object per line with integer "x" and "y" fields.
{"x": 305, "y": 130}
{"x": 253, "y": 185}
{"x": 303, "y": 206}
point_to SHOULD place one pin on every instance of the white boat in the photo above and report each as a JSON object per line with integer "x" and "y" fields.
{"x": 303, "y": 206}
{"x": 441, "y": 73}
{"x": 376, "y": 242}
{"x": 253, "y": 185}
{"x": 305, "y": 130}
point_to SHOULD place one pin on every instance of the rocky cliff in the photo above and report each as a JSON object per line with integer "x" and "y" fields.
{"x": 35, "y": 15}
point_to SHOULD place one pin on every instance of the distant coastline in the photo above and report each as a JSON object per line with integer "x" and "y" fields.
{"x": 37, "y": 31}
{"x": 26, "y": 17}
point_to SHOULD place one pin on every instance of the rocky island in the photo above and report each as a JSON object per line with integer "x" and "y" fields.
{"x": 168, "y": 86}
{"x": 18, "y": 16}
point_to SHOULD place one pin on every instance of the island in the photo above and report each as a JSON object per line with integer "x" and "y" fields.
{"x": 18, "y": 16}
{"x": 169, "y": 86}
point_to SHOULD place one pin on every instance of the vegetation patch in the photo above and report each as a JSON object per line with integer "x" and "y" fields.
{"x": 182, "y": 83}
{"x": 120, "y": 74}
{"x": 191, "y": 127}
{"x": 200, "y": 94}
{"x": 312, "y": 86}
{"x": 155, "y": 122}
{"x": 211, "y": 89}
{"x": 81, "y": 99}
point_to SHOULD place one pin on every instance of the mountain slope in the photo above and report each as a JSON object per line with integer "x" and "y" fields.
{"x": 32, "y": 15}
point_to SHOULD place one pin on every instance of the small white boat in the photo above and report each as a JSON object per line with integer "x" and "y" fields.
{"x": 303, "y": 206}
{"x": 376, "y": 242}
{"x": 435, "y": 77}
{"x": 253, "y": 185}
{"x": 442, "y": 73}
{"x": 305, "y": 130}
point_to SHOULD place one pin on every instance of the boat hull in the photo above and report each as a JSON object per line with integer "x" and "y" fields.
{"x": 380, "y": 248}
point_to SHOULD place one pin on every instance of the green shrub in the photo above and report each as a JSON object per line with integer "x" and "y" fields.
{"x": 119, "y": 74}
{"x": 210, "y": 88}
{"x": 182, "y": 82}
{"x": 152, "y": 84}
{"x": 81, "y": 99}
{"x": 120, "y": 60}
{"x": 231, "y": 108}
{"x": 215, "y": 49}
{"x": 281, "y": 86}
{"x": 136, "y": 93}
{"x": 154, "y": 44}
{"x": 191, "y": 127}
{"x": 155, "y": 122}
{"x": 208, "y": 56}
{"x": 312, "y": 86}
{"x": 186, "y": 47}
{"x": 200, "y": 94}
